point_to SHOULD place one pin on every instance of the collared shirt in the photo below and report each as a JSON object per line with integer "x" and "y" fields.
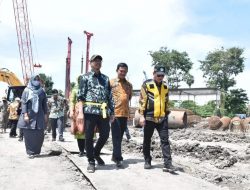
{"x": 95, "y": 88}
{"x": 56, "y": 107}
{"x": 14, "y": 110}
{"x": 122, "y": 93}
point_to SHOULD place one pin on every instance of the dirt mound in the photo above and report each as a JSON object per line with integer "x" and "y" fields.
{"x": 193, "y": 119}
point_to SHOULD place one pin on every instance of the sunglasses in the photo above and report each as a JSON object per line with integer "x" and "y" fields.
{"x": 160, "y": 75}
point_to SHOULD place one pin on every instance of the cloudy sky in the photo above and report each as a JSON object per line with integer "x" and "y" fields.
{"x": 125, "y": 31}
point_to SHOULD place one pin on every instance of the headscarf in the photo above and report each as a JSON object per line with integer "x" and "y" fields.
{"x": 34, "y": 90}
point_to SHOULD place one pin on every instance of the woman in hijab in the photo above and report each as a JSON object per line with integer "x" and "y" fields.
{"x": 33, "y": 116}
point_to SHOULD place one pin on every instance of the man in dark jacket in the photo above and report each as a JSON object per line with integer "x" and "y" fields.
{"x": 98, "y": 108}
{"x": 154, "y": 115}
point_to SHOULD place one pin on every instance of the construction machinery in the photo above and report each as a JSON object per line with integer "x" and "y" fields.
{"x": 23, "y": 36}
{"x": 68, "y": 65}
{"x": 89, "y": 35}
{"x": 16, "y": 87}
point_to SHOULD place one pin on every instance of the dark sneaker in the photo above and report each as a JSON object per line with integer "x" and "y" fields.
{"x": 99, "y": 160}
{"x": 169, "y": 168}
{"x": 91, "y": 168}
{"x": 119, "y": 164}
{"x": 147, "y": 165}
{"x": 31, "y": 156}
{"x": 20, "y": 139}
{"x": 61, "y": 139}
{"x": 53, "y": 139}
{"x": 81, "y": 154}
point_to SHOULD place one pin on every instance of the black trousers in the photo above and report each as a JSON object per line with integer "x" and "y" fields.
{"x": 92, "y": 121}
{"x": 13, "y": 124}
{"x": 81, "y": 144}
{"x": 162, "y": 129}
{"x": 118, "y": 127}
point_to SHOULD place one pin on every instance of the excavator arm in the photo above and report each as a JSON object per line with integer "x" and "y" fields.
{"x": 9, "y": 77}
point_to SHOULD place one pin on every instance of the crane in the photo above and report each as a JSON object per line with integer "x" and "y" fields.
{"x": 23, "y": 36}
{"x": 68, "y": 64}
{"x": 88, "y": 34}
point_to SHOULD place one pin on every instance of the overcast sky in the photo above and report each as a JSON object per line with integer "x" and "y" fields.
{"x": 125, "y": 31}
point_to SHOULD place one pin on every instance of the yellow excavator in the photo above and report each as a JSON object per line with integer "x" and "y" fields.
{"x": 15, "y": 88}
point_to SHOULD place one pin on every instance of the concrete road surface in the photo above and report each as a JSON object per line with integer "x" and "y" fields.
{"x": 68, "y": 171}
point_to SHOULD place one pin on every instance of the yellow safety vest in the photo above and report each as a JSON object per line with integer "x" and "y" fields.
{"x": 157, "y": 100}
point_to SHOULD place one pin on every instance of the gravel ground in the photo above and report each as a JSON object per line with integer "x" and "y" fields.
{"x": 220, "y": 157}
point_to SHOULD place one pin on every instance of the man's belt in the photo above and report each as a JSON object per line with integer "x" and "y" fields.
{"x": 101, "y": 105}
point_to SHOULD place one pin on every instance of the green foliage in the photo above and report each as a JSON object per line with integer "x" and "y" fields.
{"x": 177, "y": 65}
{"x": 236, "y": 102}
{"x": 189, "y": 104}
{"x": 207, "y": 109}
{"x": 171, "y": 103}
{"x": 220, "y": 67}
{"x": 48, "y": 83}
{"x": 203, "y": 111}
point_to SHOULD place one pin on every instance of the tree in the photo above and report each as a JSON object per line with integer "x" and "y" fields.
{"x": 220, "y": 67}
{"x": 48, "y": 83}
{"x": 177, "y": 65}
{"x": 189, "y": 79}
{"x": 236, "y": 102}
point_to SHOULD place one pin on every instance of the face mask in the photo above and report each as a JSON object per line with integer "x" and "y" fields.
{"x": 35, "y": 83}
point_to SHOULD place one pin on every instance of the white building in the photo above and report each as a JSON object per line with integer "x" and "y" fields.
{"x": 200, "y": 96}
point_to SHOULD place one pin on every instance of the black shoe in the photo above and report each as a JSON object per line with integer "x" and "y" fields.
{"x": 81, "y": 154}
{"x": 53, "y": 139}
{"x": 119, "y": 164}
{"x": 99, "y": 160}
{"x": 31, "y": 156}
{"x": 91, "y": 168}
{"x": 61, "y": 139}
{"x": 147, "y": 165}
{"x": 169, "y": 168}
{"x": 20, "y": 139}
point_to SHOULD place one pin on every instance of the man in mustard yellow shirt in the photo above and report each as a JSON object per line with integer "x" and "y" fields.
{"x": 122, "y": 93}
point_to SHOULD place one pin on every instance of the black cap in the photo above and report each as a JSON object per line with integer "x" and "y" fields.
{"x": 160, "y": 70}
{"x": 54, "y": 92}
{"x": 95, "y": 57}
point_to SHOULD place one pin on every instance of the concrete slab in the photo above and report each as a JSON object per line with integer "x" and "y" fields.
{"x": 133, "y": 175}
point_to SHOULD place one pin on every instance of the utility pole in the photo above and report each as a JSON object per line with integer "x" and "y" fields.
{"x": 88, "y": 34}
{"x": 68, "y": 65}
